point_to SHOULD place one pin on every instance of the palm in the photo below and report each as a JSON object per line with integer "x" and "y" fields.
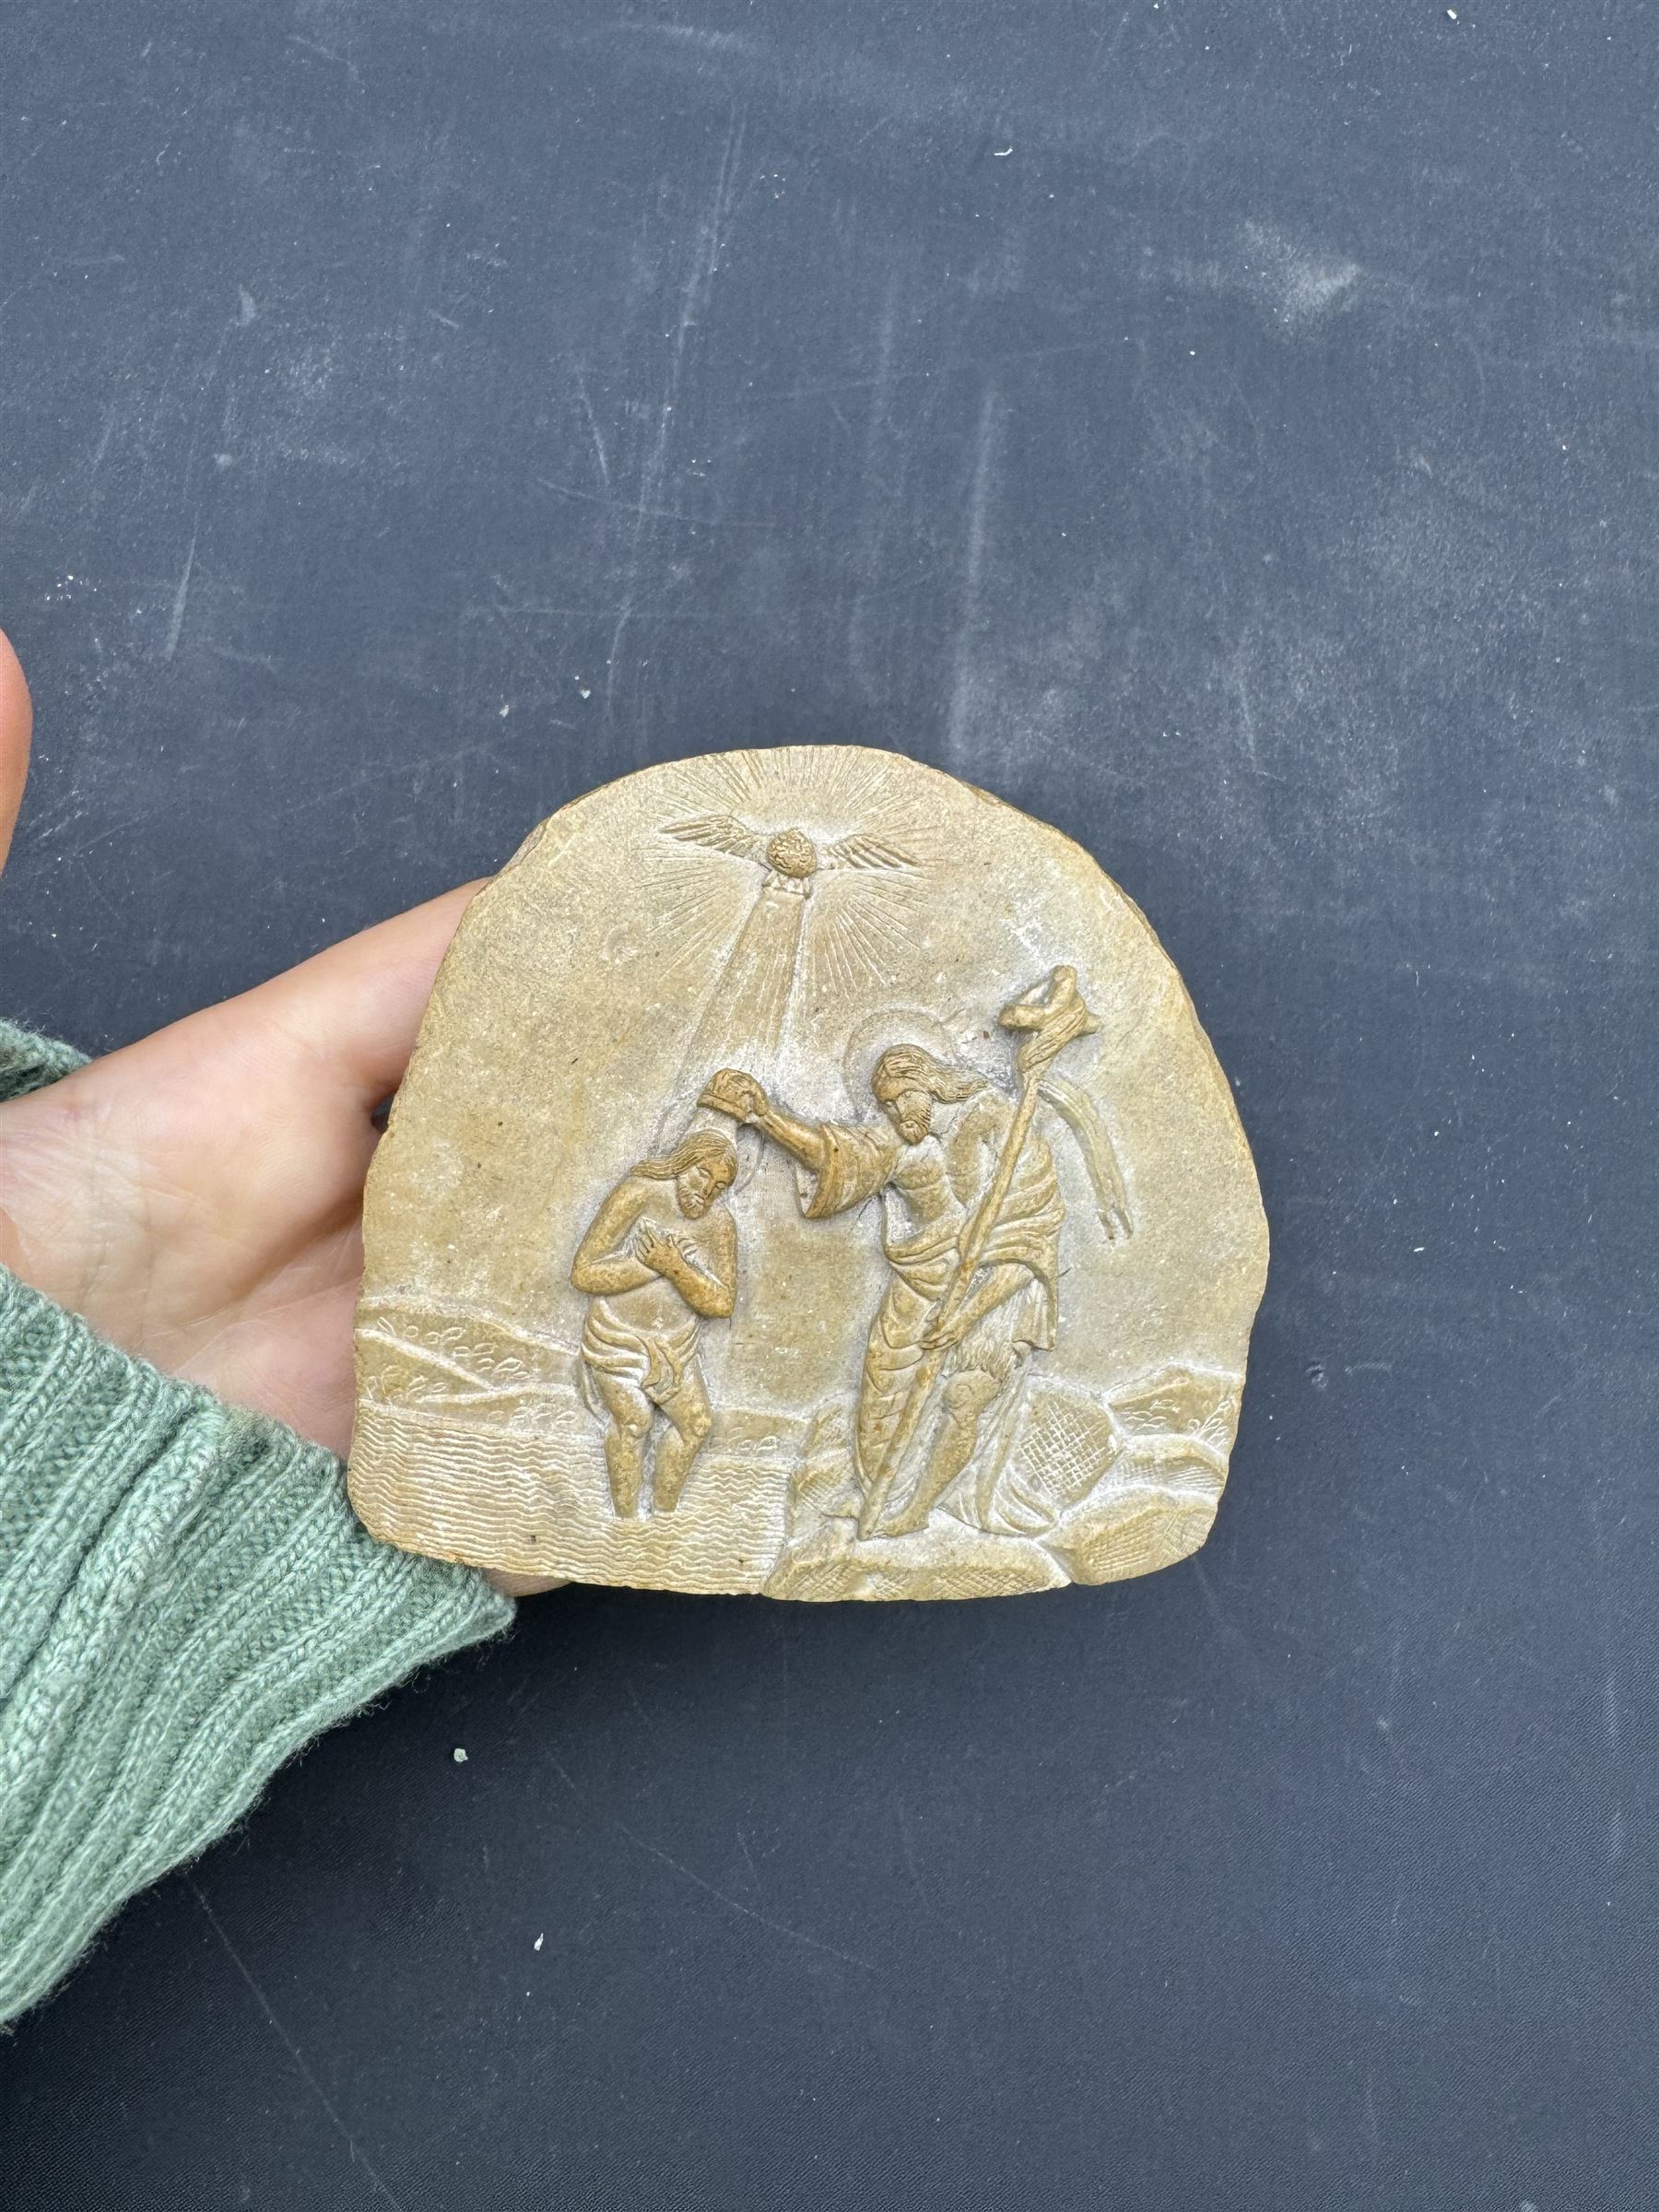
{"x": 197, "y": 1196}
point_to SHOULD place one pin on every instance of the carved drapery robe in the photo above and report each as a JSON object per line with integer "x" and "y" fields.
{"x": 930, "y": 1194}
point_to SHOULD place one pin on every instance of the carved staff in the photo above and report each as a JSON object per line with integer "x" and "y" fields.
{"x": 1051, "y": 1015}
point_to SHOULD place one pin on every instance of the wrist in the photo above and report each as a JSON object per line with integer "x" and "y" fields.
{"x": 188, "y": 1597}
{"x": 33, "y": 1231}
{"x": 42, "y": 1219}
{"x": 18, "y": 1205}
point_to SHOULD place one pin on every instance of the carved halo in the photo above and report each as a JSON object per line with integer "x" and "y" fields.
{"x": 682, "y": 1114}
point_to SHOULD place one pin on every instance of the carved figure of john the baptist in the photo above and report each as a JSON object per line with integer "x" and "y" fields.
{"x": 658, "y": 1259}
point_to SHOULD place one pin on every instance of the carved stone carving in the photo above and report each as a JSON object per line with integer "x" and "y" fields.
{"x": 812, "y": 1179}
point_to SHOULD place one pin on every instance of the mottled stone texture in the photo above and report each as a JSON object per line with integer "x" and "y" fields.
{"x": 812, "y": 1179}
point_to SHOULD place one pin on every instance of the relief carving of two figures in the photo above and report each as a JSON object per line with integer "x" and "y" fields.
{"x": 971, "y": 1216}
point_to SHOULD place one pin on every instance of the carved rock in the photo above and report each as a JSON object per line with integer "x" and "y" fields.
{"x": 812, "y": 1178}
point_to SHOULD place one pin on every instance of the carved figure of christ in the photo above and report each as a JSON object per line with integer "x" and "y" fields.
{"x": 935, "y": 1144}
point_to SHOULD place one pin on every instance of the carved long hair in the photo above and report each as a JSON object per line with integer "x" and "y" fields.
{"x": 702, "y": 1148}
{"x": 909, "y": 1067}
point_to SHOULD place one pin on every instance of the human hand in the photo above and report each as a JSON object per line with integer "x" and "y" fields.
{"x": 946, "y": 1330}
{"x": 731, "y": 1091}
{"x": 654, "y": 1250}
{"x": 197, "y": 1196}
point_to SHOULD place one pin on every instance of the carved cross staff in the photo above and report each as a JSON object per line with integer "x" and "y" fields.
{"x": 1051, "y": 1016}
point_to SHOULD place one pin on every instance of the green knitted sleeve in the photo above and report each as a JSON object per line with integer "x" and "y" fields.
{"x": 186, "y": 1598}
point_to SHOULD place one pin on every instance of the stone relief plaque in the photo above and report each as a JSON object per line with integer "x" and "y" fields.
{"x": 812, "y": 1179}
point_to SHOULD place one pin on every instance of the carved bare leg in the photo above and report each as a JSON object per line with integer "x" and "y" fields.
{"x": 963, "y": 1401}
{"x": 690, "y": 1418}
{"x": 625, "y": 1439}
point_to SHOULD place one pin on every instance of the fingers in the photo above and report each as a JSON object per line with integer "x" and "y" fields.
{"x": 17, "y": 718}
{"x": 357, "y": 1008}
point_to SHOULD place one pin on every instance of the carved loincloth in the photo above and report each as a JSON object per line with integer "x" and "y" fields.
{"x": 653, "y": 1361}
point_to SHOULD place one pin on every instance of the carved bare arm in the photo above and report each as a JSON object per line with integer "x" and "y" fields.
{"x": 723, "y": 1277}
{"x": 804, "y": 1139}
{"x": 738, "y": 1094}
{"x": 710, "y": 1292}
{"x": 601, "y": 1269}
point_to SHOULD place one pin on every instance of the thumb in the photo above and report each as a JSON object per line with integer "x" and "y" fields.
{"x": 17, "y": 718}
{"x": 356, "y": 1006}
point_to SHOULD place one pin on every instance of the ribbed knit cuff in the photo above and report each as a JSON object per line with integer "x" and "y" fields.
{"x": 186, "y": 1598}
{"x": 28, "y": 1062}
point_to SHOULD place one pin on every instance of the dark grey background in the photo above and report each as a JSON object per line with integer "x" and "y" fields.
{"x": 1227, "y": 431}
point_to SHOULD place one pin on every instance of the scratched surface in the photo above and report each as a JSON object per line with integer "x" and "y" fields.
{"x": 1224, "y": 430}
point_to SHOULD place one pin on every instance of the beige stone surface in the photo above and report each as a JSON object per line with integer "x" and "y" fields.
{"x": 812, "y": 1179}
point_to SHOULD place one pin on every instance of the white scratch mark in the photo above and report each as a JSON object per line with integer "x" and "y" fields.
{"x": 104, "y": 436}
{"x": 181, "y": 600}
{"x": 1301, "y": 285}
{"x": 910, "y": 1853}
{"x": 1110, "y": 41}
{"x": 587, "y": 407}
{"x": 1226, "y": 1630}
{"x": 340, "y": 61}
{"x": 1373, "y": 2132}
{"x": 358, "y": 2157}
{"x": 694, "y": 298}
{"x": 1238, "y": 678}
{"x": 973, "y": 570}
{"x": 662, "y": 514}
{"x": 878, "y": 493}
{"x": 693, "y": 34}
{"x": 778, "y": 1928}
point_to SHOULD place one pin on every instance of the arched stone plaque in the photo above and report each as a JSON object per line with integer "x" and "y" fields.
{"x": 812, "y": 1179}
